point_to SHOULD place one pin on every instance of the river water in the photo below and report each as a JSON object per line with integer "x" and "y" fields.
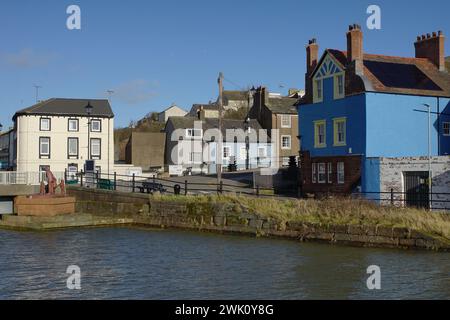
{"x": 125, "y": 263}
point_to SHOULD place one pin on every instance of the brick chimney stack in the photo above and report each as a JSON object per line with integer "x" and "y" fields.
{"x": 354, "y": 43}
{"x": 431, "y": 47}
{"x": 312, "y": 55}
{"x": 312, "y": 58}
{"x": 355, "y": 52}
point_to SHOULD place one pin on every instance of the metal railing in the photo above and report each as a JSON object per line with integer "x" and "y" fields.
{"x": 141, "y": 184}
{"x": 26, "y": 178}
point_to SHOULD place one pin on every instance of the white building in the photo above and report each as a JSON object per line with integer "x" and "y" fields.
{"x": 192, "y": 144}
{"x": 172, "y": 111}
{"x": 54, "y": 133}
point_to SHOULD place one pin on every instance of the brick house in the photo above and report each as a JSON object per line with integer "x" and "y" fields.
{"x": 276, "y": 112}
{"x": 363, "y": 112}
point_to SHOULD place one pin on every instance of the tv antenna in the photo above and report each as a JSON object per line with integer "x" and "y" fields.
{"x": 37, "y": 87}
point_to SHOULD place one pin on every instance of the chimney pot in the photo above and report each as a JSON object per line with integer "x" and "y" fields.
{"x": 432, "y": 47}
{"x": 418, "y": 38}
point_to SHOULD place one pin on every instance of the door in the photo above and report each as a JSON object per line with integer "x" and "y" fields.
{"x": 416, "y": 189}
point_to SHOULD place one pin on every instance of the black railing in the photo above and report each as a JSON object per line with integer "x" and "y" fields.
{"x": 151, "y": 185}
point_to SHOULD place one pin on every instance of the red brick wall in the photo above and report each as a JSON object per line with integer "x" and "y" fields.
{"x": 352, "y": 173}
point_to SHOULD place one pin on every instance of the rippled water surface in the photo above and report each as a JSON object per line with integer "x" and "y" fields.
{"x": 147, "y": 264}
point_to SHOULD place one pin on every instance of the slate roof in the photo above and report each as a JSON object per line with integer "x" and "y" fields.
{"x": 390, "y": 74}
{"x": 234, "y": 96}
{"x": 196, "y": 107}
{"x": 187, "y": 122}
{"x": 68, "y": 107}
{"x": 282, "y": 105}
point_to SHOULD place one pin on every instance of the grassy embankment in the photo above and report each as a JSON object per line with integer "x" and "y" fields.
{"x": 331, "y": 212}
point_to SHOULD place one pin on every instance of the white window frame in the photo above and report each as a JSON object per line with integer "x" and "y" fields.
{"x": 192, "y": 156}
{"x": 286, "y": 121}
{"x": 93, "y": 155}
{"x": 446, "y": 127}
{"x": 319, "y": 89}
{"x": 264, "y": 152}
{"x": 330, "y": 172}
{"x": 340, "y": 172}
{"x": 314, "y": 172}
{"x": 77, "y": 125}
{"x": 49, "y": 124}
{"x": 190, "y": 133}
{"x": 96, "y": 121}
{"x": 243, "y": 153}
{"x": 321, "y": 173}
{"x": 282, "y": 142}
{"x": 41, "y": 144}
{"x": 336, "y": 123}
{"x": 228, "y": 152}
{"x": 69, "y": 154}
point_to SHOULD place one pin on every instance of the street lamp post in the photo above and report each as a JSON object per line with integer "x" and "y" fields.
{"x": 429, "y": 154}
{"x": 247, "y": 143}
{"x": 89, "y": 109}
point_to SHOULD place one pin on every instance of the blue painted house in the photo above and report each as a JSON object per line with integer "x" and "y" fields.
{"x": 361, "y": 109}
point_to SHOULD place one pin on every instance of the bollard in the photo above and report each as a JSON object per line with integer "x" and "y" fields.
{"x": 185, "y": 187}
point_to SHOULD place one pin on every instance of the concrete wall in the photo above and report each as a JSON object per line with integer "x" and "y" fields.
{"x": 146, "y": 149}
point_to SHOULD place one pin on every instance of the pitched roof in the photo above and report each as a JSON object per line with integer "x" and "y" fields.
{"x": 235, "y": 96}
{"x": 196, "y": 107}
{"x": 68, "y": 107}
{"x": 210, "y": 123}
{"x": 174, "y": 106}
{"x": 389, "y": 74}
{"x": 282, "y": 105}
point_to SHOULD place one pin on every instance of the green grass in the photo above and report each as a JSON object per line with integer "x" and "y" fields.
{"x": 331, "y": 211}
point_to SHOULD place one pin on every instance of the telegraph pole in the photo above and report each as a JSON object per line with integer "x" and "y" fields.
{"x": 219, "y": 153}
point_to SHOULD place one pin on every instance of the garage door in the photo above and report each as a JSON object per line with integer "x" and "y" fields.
{"x": 6, "y": 205}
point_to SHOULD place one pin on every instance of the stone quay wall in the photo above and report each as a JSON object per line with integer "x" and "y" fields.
{"x": 149, "y": 211}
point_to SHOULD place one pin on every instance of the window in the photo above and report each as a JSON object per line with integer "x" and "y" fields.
{"x": 262, "y": 152}
{"x": 226, "y": 152}
{"x": 96, "y": 125}
{"x": 339, "y": 86}
{"x": 320, "y": 134}
{"x": 45, "y": 124}
{"x": 446, "y": 128}
{"x": 286, "y": 121}
{"x": 44, "y": 147}
{"x": 314, "y": 173}
{"x": 72, "y": 148}
{"x": 285, "y": 142}
{"x": 195, "y": 157}
{"x": 322, "y": 175}
{"x": 340, "y": 129}
{"x": 340, "y": 173}
{"x": 194, "y": 133}
{"x": 96, "y": 148}
{"x": 319, "y": 90}
{"x": 73, "y": 125}
{"x": 330, "y": 172}
{"x": 243, "y": 153}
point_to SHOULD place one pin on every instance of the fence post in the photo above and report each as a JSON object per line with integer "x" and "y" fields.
{"x": 96, "y": 180}
{"x": 81, "y": 178}
{"x": 392, "y": 196}
{"x": 65, "y": 175}
{"x": 257, "y": 191}
{"x": 115, "y": 181}
{"x": 185, "y": 187}
{"x": 134, "y": 182}
{"x": 221, "y": 186}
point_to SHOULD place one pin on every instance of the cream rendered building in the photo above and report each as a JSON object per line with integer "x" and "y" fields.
{"x": 54, "y": 133}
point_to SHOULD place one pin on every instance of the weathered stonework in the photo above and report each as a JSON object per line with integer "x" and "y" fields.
{"x": 228, "y": 218}
{"x": 392, "y": 177}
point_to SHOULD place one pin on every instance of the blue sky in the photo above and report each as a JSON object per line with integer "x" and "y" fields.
{"x": 155, "y": 53}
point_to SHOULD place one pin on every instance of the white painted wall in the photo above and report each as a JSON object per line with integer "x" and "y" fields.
{"x": 28, "y": 133}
